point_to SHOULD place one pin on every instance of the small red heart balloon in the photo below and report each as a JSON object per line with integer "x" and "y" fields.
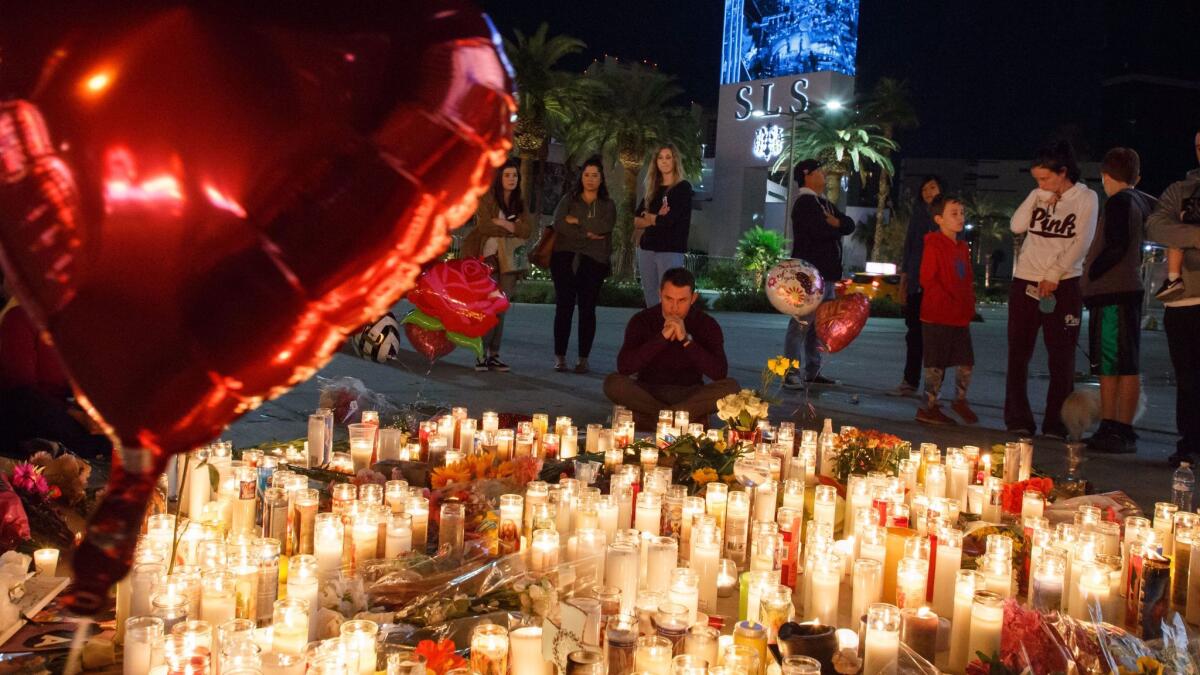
{"x": 218, "y": 196}
{"x": 432, "y": 344}
{"x": 839, "y": 321}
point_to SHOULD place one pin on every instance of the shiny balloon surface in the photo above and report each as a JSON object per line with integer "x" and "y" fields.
{"x": 795, "y": 287}
{"x": 839, "y": 321}
{"x": 198, "y": 207}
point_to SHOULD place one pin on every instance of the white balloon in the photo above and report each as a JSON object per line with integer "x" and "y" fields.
{"x": 795, "y": 287}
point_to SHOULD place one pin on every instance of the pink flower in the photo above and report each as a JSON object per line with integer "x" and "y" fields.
{"x": 28, "y": 479}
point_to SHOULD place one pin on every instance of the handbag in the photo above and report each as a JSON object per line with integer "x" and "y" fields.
{"x": 540, "y": 255}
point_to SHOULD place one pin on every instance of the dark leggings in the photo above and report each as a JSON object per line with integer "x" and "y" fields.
{"x": 575, "y": 285}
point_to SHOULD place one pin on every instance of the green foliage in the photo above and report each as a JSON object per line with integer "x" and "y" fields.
{"x": 612, "y": 293}
{"x": 757, "y": 252}
{"x": 542, "y": 91}
{"x": 618, "y": 294}
{"x": 841, "y": 145}
{"x": 743, "y": 300}
{"x": 886, "y": 308}
{"x": 722, "y": 276}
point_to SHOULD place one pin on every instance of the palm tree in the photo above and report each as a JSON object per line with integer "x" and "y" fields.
{"x": 541, "y": 94}
{"x": 890, "y": 106}
{"x": 623, "y": 110}
{"x": 841, "y": 146}
{"x": 990, "y": 223}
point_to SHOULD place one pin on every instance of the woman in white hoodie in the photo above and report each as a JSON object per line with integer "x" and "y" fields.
{"x": 1058, "y": 219}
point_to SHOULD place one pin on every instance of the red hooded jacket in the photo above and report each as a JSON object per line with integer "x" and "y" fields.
{"x": 948, "y": 281}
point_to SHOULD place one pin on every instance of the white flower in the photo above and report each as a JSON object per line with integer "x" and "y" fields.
{"x": 329, "y": 623}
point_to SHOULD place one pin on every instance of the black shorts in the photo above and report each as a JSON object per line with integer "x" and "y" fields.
{"x": 947, "y": 346}
{"x": 1114, "y": 338}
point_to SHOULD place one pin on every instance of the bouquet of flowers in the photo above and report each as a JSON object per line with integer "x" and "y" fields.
{"x": 695, "y": 462}
{"x": 862, "y": 451}
{"x": 742, "y": 411}
{"x": 1013, "y": 493}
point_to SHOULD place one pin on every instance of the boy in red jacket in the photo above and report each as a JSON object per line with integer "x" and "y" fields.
{"x": 946, "y": 312}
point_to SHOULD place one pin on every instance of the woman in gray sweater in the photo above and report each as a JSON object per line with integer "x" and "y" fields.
{"x": 584, "y": 222}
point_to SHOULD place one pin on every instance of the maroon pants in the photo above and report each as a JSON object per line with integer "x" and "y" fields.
{"x": 1060, "y": 332}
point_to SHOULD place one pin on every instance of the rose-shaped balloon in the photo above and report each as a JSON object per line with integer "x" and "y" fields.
{"x": 218, "y": 194}
{"x": 795, "y": 287}
{"x": 840, "y": 321}
{"x": 462, "y": 295}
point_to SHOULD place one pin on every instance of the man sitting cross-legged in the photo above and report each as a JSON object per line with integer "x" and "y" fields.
{"x": 669, "y": 349}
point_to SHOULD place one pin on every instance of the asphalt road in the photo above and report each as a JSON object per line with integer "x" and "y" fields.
{"x": 866, "y": 369}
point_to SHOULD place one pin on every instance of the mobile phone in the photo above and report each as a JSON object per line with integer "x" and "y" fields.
{"x": 1032, "y": 291}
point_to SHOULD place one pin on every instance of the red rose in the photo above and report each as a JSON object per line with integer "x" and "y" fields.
{"x": 462, "y": 295}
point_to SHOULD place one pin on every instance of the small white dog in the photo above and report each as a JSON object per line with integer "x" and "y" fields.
{"x": 1081, "y": 410}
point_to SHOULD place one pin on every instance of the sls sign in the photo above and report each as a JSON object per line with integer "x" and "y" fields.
{"x": 768, "y": 142}
{"x": 766, "y": 106}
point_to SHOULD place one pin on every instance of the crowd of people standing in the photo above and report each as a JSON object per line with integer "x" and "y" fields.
{"x": 1070, "y": 254}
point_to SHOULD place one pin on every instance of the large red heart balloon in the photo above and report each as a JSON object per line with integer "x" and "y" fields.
{"x": 840, "y": 321}
{"x": 432, "y": 344}
{"x": 218, "y": 196}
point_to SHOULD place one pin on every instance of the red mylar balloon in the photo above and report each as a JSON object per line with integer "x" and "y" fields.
{"x": 840, "y": 321}
{"x": 462, "y": 295}
{"x": 432, "y": 344}
{"x": 221, "y": 197}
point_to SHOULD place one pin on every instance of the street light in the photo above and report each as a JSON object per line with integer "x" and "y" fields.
{"x": 833, "y": 105}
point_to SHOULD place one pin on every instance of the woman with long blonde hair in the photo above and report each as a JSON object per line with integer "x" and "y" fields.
{"x": 664, "y": 218}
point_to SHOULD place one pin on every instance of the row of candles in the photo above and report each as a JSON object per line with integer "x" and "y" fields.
{"x": 901, "y": 556}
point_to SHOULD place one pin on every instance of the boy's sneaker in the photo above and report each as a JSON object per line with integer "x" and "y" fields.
{"x": 793, "y": 381}
{"x": 481, "y": 365}
{"x": 905, "y": 390}
{"x": 964, "y": 411}
{"x": 494, "y": 363}
{"x": 1170, "y": 290}
{"x": 934, "y": 415}
{"x": 820, "y": 380}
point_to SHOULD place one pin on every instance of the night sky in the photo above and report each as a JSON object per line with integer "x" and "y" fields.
{"x": 990, "y": 80}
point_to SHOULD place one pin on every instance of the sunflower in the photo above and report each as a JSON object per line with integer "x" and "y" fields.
{"x": 482, "y": 465}
{"x": 442, "y": 476}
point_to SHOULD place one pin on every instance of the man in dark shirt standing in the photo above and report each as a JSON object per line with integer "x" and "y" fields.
{"x": 817, "y": 231}
{"x": 670, "y": 348}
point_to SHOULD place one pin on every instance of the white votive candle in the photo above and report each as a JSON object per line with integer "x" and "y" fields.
{"x": 882, "y": 638}
{"x": 965, "y": 583}
{"x": 46, "y": 561}
{"x": 987, "y": 623}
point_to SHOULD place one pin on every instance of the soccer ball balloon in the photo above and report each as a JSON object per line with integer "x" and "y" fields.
{"x": 379, "y": 341}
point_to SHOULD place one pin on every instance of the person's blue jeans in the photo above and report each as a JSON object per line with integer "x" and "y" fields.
{"x": 800, "y": 337}
{"x": 651, "y": 266}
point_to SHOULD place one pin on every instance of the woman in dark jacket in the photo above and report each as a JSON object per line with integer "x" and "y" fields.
{"x": 583, "y": 221}
{"x": 919, "y": 225}
{"x": 664, "y": 219}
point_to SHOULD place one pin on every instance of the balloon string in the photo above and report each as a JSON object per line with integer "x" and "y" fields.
{"x": 75, "y": 656}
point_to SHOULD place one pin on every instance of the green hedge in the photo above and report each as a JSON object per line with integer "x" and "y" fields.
{"x": 612, "y": 294}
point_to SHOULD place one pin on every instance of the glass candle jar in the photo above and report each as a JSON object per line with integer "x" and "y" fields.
{"x": 360, "y": 635}
{"x": 489, "y": 650}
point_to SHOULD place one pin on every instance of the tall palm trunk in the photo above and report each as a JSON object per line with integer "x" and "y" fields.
{"x": 885, "y": 189}
{"x": 624, "y": 240}
{"x": 833, "y": 186}
{"x": 527, "y": 187}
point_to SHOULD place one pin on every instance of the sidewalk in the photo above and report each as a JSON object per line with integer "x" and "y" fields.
{"x": 866, "y": 369}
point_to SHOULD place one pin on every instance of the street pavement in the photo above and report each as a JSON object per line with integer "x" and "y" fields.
{"x": 866, "y": 370}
